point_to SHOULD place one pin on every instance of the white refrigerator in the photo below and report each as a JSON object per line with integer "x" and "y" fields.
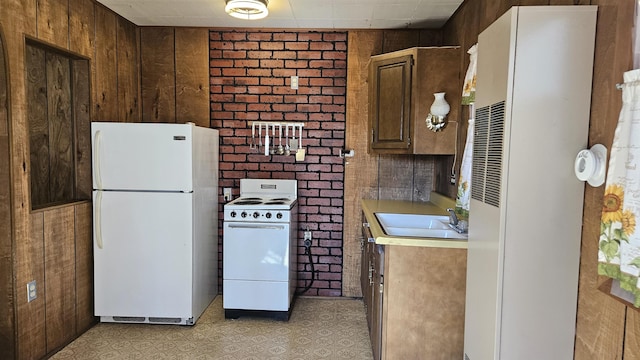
{"x": 155, "y": 221}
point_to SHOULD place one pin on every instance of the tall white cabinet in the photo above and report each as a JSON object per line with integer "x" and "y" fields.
{"x": 533, "y": 95}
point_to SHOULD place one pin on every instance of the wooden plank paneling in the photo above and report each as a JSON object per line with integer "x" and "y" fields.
{"x": 192, "y": 76}
{"x": 7, "y": 324}
{"x": 61, "y": 130}
{"x": 158, "y": 83}
{"x": 82, "y": 120}
{"x": 600, "y": 328}
{"x": 82, "y": 27}
{"x": 128, "y": 79}
{"x": 395, "y": 177}
{"x": 84, "y": 267}
{"x": 60, "y": 287}
{"x": 29, "y": 266}
{"x": 360, "y": 174}
{"x": 53, "y": 22}
{"x": 38, "y": 125}
{"x": 105, "y": 85}
{"x": 399, "y": 39}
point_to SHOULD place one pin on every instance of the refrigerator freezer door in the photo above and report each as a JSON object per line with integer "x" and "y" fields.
{"x": 142, "y": 156}
{"x": 143, "y": 254}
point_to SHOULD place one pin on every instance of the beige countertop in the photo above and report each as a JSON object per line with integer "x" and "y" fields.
{"x": 436, "y": 206}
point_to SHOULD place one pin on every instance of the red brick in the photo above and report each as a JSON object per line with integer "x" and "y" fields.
{"x": 335, "y": 36}
{"x": 271, "y": 64}
{"x": 285, "y": 54}
{"x": 247, "y": 98}
{"x": 234, "y": 54}
{"x": 259, "y": 72}
{"x": 259, "y": 90}
{"x": 246, "y": 63}
{"x": 284, "y": 72}
{"x": 260, "y": 36}
{"x": 213, "y": 36}
{"x": 309, "y": 108}
{"x": 234, "y": 89}
{"x": 234, "y": 36}
{"x": 297, "y": 46}
{"x": 221, "y": 45}
{"x": 286, "y": 36}
{"x": 321, "y": 64}
{"x": 273, "y": 81}
{"x": 322, "y": 46}
{"x": 246, "y": 45}
{"x": 260, "y": 54}
{"x": 215, "y": 63}
{"x": 296, "y": 64}
{"x": 296, "y": 117}
{"x": 309, "y": 36}
{"x": 334, "y": 55}
{"x": 310, "y": 55}
{"x": 334, "y": 73}
{"x": 276, "y": 45}
{"x": 309, "y": 73}
{"x": 234, "y": 72}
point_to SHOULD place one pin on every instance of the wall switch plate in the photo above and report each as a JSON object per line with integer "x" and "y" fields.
{"x": 226, "y": 193}
{"x": 294, "y": 82}
{"x": 31, "y": 291}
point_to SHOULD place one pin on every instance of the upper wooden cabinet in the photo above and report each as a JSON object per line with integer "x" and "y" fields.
{"x": 401, "y": 88}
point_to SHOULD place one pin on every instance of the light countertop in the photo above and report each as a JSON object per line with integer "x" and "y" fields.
{"x": 437, "y": 205}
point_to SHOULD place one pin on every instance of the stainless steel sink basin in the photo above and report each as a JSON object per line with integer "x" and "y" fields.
{"x": 416, "y": 225}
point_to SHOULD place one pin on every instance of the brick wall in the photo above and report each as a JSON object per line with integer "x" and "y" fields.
{"x": 250, "y": 75}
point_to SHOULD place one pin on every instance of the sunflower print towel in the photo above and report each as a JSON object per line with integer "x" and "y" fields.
{"x": 619, "y": 243}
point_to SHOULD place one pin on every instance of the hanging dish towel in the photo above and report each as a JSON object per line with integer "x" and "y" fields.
{"x": 619, "y": 243}
{"x": 468, "y": 98}
{"x": 469, "y": 87}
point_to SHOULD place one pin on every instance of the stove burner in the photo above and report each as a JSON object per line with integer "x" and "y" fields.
{"x": 279, "y": 199}
{"x": 274, "y": 203}
{"x": 251, "y": 198}
{"x": 248, "y": 202}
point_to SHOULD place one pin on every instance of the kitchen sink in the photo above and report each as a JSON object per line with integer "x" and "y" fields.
{"x": 417, "y": 225}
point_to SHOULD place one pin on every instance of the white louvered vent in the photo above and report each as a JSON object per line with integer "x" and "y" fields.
{"x": 479, "y": 159}
{"x": 487, "y": 154}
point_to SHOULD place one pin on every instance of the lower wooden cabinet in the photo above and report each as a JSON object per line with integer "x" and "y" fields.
{"x": 414, "y": 298}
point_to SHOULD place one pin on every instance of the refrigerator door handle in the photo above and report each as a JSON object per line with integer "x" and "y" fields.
{"x": 98, "y": 221}
{"x": 96, "y": 156}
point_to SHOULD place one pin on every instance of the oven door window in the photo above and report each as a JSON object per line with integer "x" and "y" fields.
{"x": 256, "y": 251}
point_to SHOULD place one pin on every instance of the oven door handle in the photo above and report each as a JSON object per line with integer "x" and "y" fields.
{"x": 256, "y": 226}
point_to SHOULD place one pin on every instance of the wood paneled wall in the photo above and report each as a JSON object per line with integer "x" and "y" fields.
{"x": 7, "y": 333}
{"x": 605, "y": 329}
{"x": 175, "y": 75}
{"x": 400, "y": 177}
{"x": 53, "y": 246}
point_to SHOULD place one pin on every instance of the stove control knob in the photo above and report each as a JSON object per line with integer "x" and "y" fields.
{"x": 244, "y": 214}
{"x": 233, "y": 214}
{"x": 268, "y": 215}
{"x": 256, "y": 214}
{"x": 279, "y": 215}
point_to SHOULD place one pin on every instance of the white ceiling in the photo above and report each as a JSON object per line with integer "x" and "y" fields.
{"x": 297, "y": 14}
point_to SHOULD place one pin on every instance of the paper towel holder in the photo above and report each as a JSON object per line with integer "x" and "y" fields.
{"x": 591, "y": 164}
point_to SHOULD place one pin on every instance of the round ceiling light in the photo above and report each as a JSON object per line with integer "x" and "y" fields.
{"x": 247, "y": 9}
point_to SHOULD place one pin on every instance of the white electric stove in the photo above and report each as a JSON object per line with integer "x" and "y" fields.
{"x": 260, "y": 249}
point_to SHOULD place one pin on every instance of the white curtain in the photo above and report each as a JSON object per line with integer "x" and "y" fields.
{"x": 619, "y": 242}
{"x": 468, "y": 98}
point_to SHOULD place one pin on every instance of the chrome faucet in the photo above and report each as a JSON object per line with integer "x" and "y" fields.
{"x": 461, "y": 226}
{"x": 453, "y": 218}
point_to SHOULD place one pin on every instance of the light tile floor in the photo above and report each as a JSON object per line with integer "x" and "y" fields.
{"x": 319, "y": 328}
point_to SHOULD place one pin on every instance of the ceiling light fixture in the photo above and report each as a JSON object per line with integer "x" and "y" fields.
{"x": 247, "y": 9}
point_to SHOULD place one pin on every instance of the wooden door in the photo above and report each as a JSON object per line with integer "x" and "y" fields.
{"x": 390, "y": 104}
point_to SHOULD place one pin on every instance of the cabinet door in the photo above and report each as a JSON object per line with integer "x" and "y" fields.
{"x": 390, "y": 104}
{"x": 366, "y": 269}
{"x": 377, "y": 303}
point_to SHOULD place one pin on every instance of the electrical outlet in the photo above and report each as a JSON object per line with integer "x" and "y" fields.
{"x": 31, "y": 291}
{"x": 226, "y": 192}
{"x": 307, "y": 235}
